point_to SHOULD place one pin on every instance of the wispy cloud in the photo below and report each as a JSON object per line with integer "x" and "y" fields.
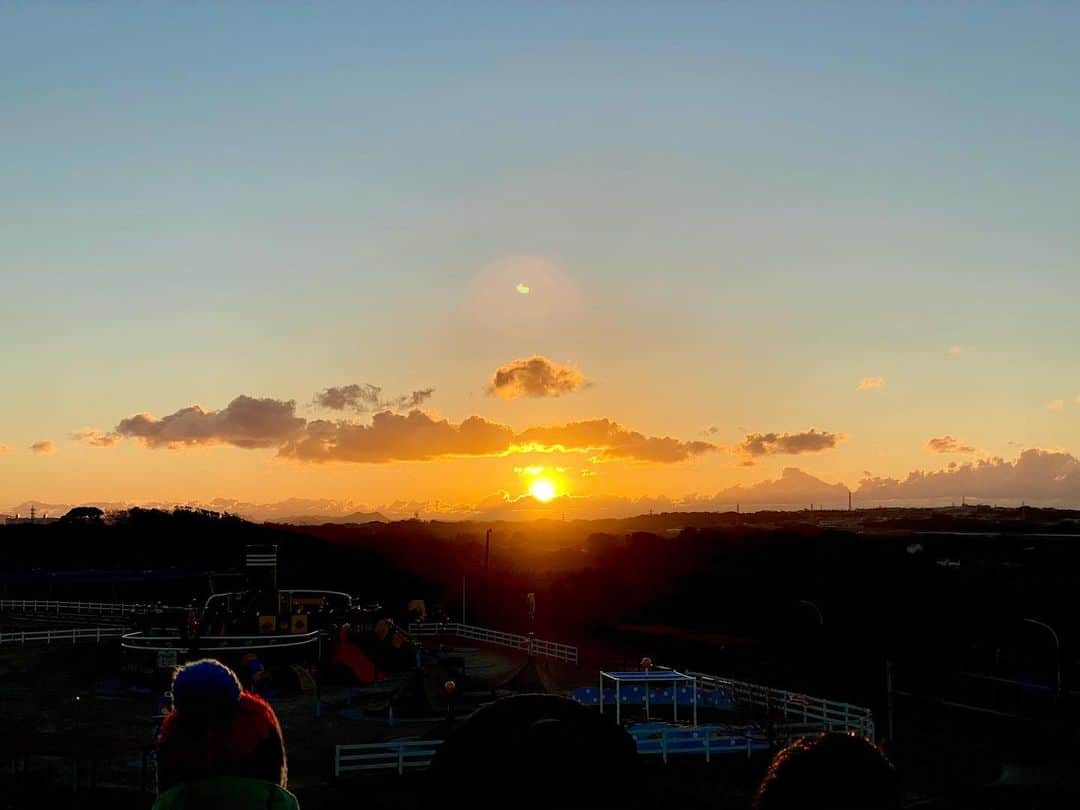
{"x": 535, "y": 376}
{"x": 1055, "y": 405}
{"x": 954, "y": 351}
{"x": 871, "y": 383}
{"x": 43, "y": 448}
{"x": 4, "y": 449}
{"x": 96, "y": 438}
{"x": 770, "y": 444}
{"x": 366, "y": 398}
{"x": 948, "y": 444}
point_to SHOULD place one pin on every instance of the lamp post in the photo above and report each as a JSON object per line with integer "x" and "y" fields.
{"x": 1057, "y": 652}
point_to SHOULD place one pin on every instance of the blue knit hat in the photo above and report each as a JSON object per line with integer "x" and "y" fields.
{"x": 205, "y": 688}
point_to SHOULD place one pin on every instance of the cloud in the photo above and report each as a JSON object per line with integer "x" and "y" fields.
{"x": 96, "y": 438}
{"x": 948, "y": 444}
{"x": 535, "y": 376}
{"x": 1049, "y": 476}
{"x": 245, "y": 422}
{"x": 870, "y": 383}
{"x": 608, "y": 440}
{"x": 4, "y": 449}
{"x": 421, "y": 437}
{"x": 397, "y": 437}
{"x": 954, "y": 351}
{"x": 43, "y": 448}
{"x": 1055, "y": 404}
{"x": 711, "y": 430}
{"x": 770, "y": 444}
{"x": 364, "y": 398}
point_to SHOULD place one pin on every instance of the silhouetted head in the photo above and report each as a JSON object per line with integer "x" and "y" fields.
{"x": 829, "y": 772}
{"x": 217, "y": 729}
{"x": 537, "y": 751}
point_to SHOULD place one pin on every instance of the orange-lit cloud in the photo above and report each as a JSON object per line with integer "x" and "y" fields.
{"x": 870, "y": 383}
{"x": 4, "y": 449}
{"x": 535, "y": 376}
{"x": 96, "y": 438}
{"x": 948, "y": 444}
{"x": 771, "y": 444}
{"x": 364, "y": 398}
{"x": 954, "y": 351}
{"x": 43, "y": 448}
{"x": 420, "y": 437}
{"x": 608, "y": 440}
{"x": 245, "y": 422}
{"x": 1055, "y": 404}
{"x": 397, "y": 437}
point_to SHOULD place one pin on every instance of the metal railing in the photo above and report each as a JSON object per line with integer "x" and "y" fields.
{"x": 805, "y": 710}
{"x": 60, "y": 607}
{"x": 73, "y": 635}
{"x": 141, "y": 641}
{"x": 529, "y": 644}
{"x": 666, "y": 740}
{"x": 394, "y": 755}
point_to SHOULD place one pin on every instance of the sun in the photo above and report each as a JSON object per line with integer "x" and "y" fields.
{"x": 543, "y": 490}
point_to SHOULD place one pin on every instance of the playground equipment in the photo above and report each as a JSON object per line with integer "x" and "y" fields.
{"x": 645, "y": 693}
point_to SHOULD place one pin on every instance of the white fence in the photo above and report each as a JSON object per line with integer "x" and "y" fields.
{"x": 666, "y": 740}
{"x": 529, "y": 644}
{"x": 394, "y": 755}
{"x": 73, "y": 635}
{"x": 47, "y": 606}
{"x": 806, "y": 710}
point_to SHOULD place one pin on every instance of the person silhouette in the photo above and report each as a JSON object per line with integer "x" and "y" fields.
{"x": 220, "y": 746}
{"x": 829, "y": 772}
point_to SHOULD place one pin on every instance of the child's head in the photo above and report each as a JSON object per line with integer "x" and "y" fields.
{"x": 218, "y": 729}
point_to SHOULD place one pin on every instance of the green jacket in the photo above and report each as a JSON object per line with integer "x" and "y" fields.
{"x": 226, "y": 793}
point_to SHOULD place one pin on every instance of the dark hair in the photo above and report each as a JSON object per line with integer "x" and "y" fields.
{"x": 537, "y": 751}
{"x": 828, "y": 772}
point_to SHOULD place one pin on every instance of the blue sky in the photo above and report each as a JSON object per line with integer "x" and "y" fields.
{"x": 756, "y": 204}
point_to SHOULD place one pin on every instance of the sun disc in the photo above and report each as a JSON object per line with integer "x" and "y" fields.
{"x": 542, "y": 489}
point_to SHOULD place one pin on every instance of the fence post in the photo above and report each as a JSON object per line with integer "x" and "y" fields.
{"x": 401, "y": 759}
{"x": 708, "y": 735}
{"x": 663, "y": 743}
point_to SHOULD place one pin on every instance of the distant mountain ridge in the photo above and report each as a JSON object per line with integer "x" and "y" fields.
{"x": 320, "y": 520}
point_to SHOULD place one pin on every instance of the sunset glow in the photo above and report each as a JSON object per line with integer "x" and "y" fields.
{"x": 543, "y": 490}
{"x": 342, "y": 293}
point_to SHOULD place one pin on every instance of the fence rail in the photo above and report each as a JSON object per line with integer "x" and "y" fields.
{"x": 666, "y": 740}
{"x": 529, "y": 644}
{"x": 59, "y": 607}
{"x": 396, "y": 755}
{"x": 73, "y": 635}
{"x": 799, "y": 709}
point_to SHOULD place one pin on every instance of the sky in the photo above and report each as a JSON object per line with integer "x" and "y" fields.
{"x": 801, "y": 243}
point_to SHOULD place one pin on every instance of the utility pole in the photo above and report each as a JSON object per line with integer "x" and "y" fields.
{"x": 487, "y": 551}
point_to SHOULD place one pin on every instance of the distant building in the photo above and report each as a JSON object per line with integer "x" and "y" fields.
{"x": 33, "y": 519}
